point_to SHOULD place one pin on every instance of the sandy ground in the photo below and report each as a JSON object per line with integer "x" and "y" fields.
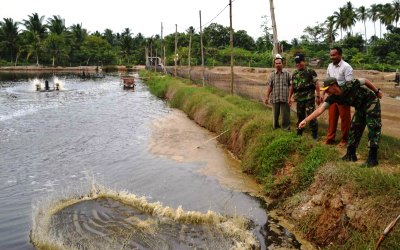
{"x": 193, "y": 143}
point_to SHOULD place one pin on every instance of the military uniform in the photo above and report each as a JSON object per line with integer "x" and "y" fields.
{"x": 367, "y": 112}
{"x": 303, "y": 82}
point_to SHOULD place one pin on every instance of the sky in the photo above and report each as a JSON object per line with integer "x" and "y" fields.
{"x": 145, "y": 16}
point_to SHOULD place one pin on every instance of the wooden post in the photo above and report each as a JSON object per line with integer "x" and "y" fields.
{"x": 161, "y": 45}
{"x": 189, "y": 57}
{"x": 176, "y": 47}
{"x": 231, "y": 43}
{"x": 202, "y": 50}
{"x": 276, "y": 48}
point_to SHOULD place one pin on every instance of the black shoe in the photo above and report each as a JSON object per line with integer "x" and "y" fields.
{"x": 350, "y": 155}
{"x": 372, "y": 160}
{"x": 299, "y": 132}
{"x": 315, "y": 135}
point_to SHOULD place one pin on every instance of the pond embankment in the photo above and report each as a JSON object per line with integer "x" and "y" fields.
{"x": 331, "y": 203}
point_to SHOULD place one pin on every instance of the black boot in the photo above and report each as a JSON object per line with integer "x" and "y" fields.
{"x": 315, "y": 135}
{"x": 372, "y": 157}
{"x": 299, "y": 132}
{"x": 351, "y": 154}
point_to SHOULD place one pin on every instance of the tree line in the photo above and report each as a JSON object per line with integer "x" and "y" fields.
{"x": 50, "y": 42}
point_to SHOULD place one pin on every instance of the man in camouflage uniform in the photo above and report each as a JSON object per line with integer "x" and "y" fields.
{"x": 305, "y": 90}
{"x": 367, "y": 113}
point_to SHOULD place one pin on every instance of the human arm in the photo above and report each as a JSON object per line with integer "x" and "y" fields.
{"x": 348, "y": 73}
{"x": 269, "y": 90}
{"x": 372, "y": 87}
{"x": 290, "y": 94}
{"x": 318, "y": 97}
{"x": 314, "y": 115}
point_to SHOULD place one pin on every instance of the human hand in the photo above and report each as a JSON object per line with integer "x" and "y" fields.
{"x": 379, "y": 95}
{"x": 266, "y": 101}
{"x": 302, "y": 124}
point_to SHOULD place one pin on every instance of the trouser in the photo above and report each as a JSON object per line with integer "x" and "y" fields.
{"x": 336, "y": 111}
{"x": 277, "y": 109}
{"x": 304, "y": 109}
{"x": 371, "y": 117}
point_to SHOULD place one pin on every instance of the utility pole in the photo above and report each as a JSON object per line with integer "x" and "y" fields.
{"x": 231, "y": 43}
{"x": 161, "y": 54}
{"x": 176, "y": 47}
{"x": 276, "y": 48}
{"x": 189, "y": 56}
{"x": 202, "y": 51}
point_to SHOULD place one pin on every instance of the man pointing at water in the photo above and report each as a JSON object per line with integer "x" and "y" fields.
{"x": 367, "y": 113}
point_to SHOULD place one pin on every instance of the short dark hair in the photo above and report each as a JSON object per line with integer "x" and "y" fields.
{"x": 338, "y": 49}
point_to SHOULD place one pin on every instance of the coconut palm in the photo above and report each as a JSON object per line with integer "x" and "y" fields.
{"x": 9, "y": 36}
{"x": 56, "y": 25}
{"x": 126, "y": 44}
{"x": 76, "y": 37}
{"x": 350, "y": 16}
{"x": 340, "y": 21}
{"x": 387, "y": 14}
{"x": 396, "y": 11}
{"x": 330, "y": 29}
{"x": 373, "y": 13}
{"x": 362, "y": 15}
{"x": 109, "y": 36}
{"x": 35, "y": 33}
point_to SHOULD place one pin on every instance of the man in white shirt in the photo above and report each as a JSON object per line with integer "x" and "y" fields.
{"x": 343, "y": 72}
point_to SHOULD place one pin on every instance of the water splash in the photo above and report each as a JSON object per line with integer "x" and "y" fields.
{"x": 104, "y": 218}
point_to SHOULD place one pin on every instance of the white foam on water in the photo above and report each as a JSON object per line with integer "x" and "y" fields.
{"x": 42, "y": 238}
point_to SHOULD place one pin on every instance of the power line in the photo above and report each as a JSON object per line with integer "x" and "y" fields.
{"x": 203, "y": 25}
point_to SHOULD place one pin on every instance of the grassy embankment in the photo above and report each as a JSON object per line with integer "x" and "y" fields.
{"x": 333, "y": 203}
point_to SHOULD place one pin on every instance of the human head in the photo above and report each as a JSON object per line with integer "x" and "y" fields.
{"x": 299, "y": 60}
{"x": 278, "y": 64}
{"x": 329, "y": 84}
{"x": 335, "y": 54}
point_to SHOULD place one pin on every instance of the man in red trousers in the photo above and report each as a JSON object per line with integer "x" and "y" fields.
{"x": 343, "y": 72}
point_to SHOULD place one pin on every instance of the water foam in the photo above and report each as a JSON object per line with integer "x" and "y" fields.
{"x": 42, "y": 236}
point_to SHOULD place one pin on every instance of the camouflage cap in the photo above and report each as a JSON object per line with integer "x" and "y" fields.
{"x": 328, "y": 82}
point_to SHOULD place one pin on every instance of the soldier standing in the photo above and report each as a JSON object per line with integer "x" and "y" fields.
{"x": 305, "y": 90}
{"x": 367, "y": 113}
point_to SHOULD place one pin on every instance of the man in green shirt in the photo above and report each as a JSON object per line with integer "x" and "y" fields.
{"x": 367, "y": 113}
{"x": 305, "y": 92}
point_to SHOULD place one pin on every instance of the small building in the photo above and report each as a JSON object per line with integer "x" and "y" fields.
{"x": 154, "y": 63}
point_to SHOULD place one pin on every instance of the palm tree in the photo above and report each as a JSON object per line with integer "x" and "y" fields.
{"x": 35, "y": 33}
{"x": 362, "y": 15}
{"x": 109, "y": 36}
{"x": 56, "y": 25}
{"x": 330, "y": 29}
{"x": 387, "y": 14}
{"x": 126, "y": 43}
{"x": 340, "y": 21}
{"x": 374, "y": 14}
{"x": 380, "y": 17}
{"x": 55, "y": 43}
{"x": 396, "y": 11}
{"x": 9, "y": 36}
{"x": 76, "y": 37}
{"x": 350, "y": 16}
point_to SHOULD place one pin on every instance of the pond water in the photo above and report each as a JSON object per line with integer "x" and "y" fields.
{"x": 75, "y": 162}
